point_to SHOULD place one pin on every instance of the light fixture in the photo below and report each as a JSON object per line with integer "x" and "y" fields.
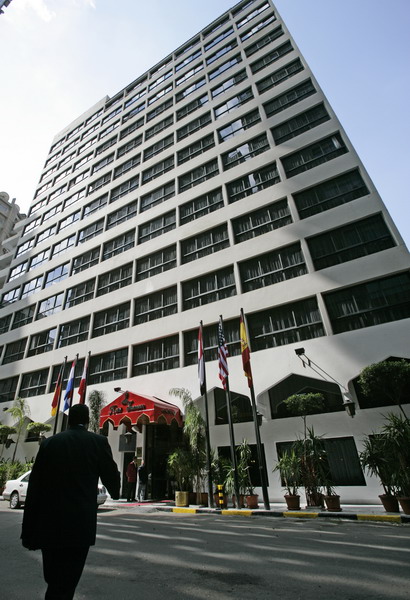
{"x": 349, "y": 404}
{"x": 128, "y": 437}
{"x": 299, "y": 351}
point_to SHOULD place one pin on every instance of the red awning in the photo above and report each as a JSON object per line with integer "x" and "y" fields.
{"x": 137, "y": 409}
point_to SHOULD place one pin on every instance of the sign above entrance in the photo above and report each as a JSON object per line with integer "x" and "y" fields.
{"x": 136, "y": 409}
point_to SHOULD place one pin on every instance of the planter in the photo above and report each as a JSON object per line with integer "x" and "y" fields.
{"x": 332, "y": 503}
{"x": 390, "y": 503}
{"x": 181, "y": 498}
{"x": 204, "y": 498}
{"x": 241, "y": 501}
{"x": 252, "y": 501}
{"x": 224, "y": 501}
{"x": 293, "y": 502}
{"x": 405, "y": 504}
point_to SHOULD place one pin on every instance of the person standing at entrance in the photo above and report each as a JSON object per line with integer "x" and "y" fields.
{"x": 60, "y": 514}
{"x": 132, "y": 472}
{"x": 142, "y": 481}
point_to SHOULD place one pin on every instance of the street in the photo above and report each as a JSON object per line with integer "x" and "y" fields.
{"x": 152, "y": 555}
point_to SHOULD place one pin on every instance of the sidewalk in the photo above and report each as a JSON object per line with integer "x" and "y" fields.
{"x": 368, "y": 512}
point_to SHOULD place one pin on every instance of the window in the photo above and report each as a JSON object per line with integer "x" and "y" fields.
{"x": 218, "y": 39}
{"x": 252, "y": 15}
{"x": 257, "y": 28}
{"x": 264, "y": 41}
{"x": 18, "y": 270}
{"x": 156, "y": 306}
{"x": 159, "y": 147}
{"x": 80, "y": 293}
{"x": 114, "y": 280}
{"x": 157, "y": 196}
{"x": 106, "y": 145}
{"x": 235, "y": 60}
{"x": 14, "y": 351}
{"x": 233, "y": 103}
{"x": 271, "y": 57}
{"x": 126, "y": 166}
{"x": 131, "y": 128}
{"x": 379, "y": 301}
{"x": 201, "y": 206}
{"x": 10, "y": 296}
{"x": 261, "y": 221}
{"x": 86, "y": 260}
{"x": 57, "y": 193}
{"x": 33, "y": 384}
{"x": 160, "y": 126}
{"x": 23, "y": 316}
{"x": 193, "y": 126}
{"x": 279, "y": 76}
{"x": 113, "y": 319}
{"x": 160, "y": 80}
{"x": 51, "y": 212}
{"x": 198, "y": 175}
{"x": 5, "y": 323}
{"x": 129, "y": 211}
{"x": 289, "y": 98}
{"x": 350, "y": 242}
{"x": 334, "y": 192}
{"x": 57, "y": 274}
{"x": 160, "y": 94}
{"x": 190, "y": 90}
{"x": 102, "y": 163}
{"x": 88, "y": 144}
{"x": 158, "y": 169}
{"x": 272, "y": 267}
{"x": 133, "y": 112}
{"x": 92, "y": 207}
{"x": 24, "y": 247}
{"x": 159, "y": 355}
{"x": 90, "y": 231}
{"x": 73, "y": 332}
{"x": 38, "y": 205}
{"x": 195, "y": 149}
{"x": 208, "y": 288}
{"x": 108, "y": 130}
{"x": 239, "y": 126}
{"x": 85, "y": 159}
{"x": 8, "y": 388}
{"x": 111, "y": 115}
{"x": 210, "y": 342}
{"x": 155, "y": 263}
{"x": 159, "y": 109}
{"x": 75, "y": 216}
{"x": 63, "y": 245}
{"x": 215, "y": 26}
{"x": 39, "y": 259}
{"x": 42, "y": 342}
{"x": 192, "y": 106}
{"x": 299, "y": 124}
{"x": 32, "y": 286}
{"x": 156, "y": 227}
{"x": 32, "y": 225}
{"x": 314, "y": 155}
{"x": 49, "y": 306}
{"x": 46, "y": 234}
{"x": 74, "y": 198}
{"x": 221, "y": 52}
{"x": 285, "y": 324}
{"x": 241, "y": 413}
{"x": 99, "y": 183}
{"x": 120, "y": 244}
{"x": 188, "y": 74}
{"x": 79, "y": 367}
{"x": 228, "y": 83}
{"x": 108, "y": 367}
{"x": 252, "y": 183}
{"x": 125, "y": 188}
{"x": 187, "y": 60}
{"x": 129, "y": 146}
{"x": 205, "y": 243}
{"x": 244, "y": 152}
{"x": 135, "y": 98}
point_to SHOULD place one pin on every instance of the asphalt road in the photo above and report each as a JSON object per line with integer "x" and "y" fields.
{"x": 152, "y": 556}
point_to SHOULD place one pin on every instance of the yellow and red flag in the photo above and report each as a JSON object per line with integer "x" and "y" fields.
{"x": 246, "y": 355}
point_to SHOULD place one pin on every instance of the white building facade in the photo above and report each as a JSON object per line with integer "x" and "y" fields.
{"x": 220, "y": 179}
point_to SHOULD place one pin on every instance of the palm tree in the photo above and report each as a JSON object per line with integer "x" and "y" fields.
{"x": 19, "y": 411}
{"x": 96, "y": 401}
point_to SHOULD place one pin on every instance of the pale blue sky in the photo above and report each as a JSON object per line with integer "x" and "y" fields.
{"x": 59, "y": 57}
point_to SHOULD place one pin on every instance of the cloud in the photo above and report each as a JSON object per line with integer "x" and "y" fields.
{"x": 40, "y": 7}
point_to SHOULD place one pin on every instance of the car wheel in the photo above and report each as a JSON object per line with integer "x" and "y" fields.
{"x": 14, "y": 500}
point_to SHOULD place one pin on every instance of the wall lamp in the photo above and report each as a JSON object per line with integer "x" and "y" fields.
{"x": 348, "y": 402}
{"x": 120, "y": 391}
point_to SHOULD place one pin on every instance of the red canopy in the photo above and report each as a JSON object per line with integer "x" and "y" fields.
{"x": 137, "y": 409}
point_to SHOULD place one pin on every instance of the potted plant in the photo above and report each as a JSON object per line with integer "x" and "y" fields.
{"x": 313, "y": 467}
{"x": 245, "y": 458}
{"x": 397, "y": 431}
{"x": 180, "y": 469}
{"x": 376, "y": 458}
{"x": 289, "y": 467}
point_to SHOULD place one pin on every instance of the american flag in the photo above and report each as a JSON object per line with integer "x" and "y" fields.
{"x": 223, "y": 354}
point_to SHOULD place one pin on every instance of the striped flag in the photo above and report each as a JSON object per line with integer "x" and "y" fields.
{"x": 201, "y": 362}
{"x": 82, "y": 388}
{"x": 246, "y": 355}
{"x": 223, "y": 354}
{"x": 57, "y": 391}
{"x": 69, "y": 391}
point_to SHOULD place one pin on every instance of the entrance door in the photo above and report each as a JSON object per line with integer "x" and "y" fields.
{"x": 128, "y": 456}
{"x": 161, "y": 440}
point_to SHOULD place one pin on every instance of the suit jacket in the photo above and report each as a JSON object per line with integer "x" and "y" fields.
{"x": 61, "y": 503}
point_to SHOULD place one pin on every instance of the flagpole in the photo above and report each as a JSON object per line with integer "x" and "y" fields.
{"x": 82, "y": 389}
{"x": 205, "y": 394}
{"x": 261, "y": 458}
{"x": 60, "y": 392}
{"x": 69, "y": 398}
{"x": 231, "y": 432}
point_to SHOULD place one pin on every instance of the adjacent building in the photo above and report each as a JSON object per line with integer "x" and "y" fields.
{"x": 220, "y": 179}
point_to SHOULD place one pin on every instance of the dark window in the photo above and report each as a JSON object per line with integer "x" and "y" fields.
{"x": 90, "y": 231}
{"x": 5, "y": 323}
{"x": 279, "y": 76}
{"x": 289, "y": 98}
{"x": 193, "y": 126}
{"x": 158, "y": 169}
{"x": 14, "y": 351}
{"x": 299, "y": 124}
{"x": 208, "y": 288}
{"x": 121, "y": 215}
{"x": 271, "y": 57}
{"x": 155, "y": 263}
{"x": 124, "y": 189}
{"x": 23, "y": 316}
{"x": 131, "y": 128}
{"x": 157, "y": 196}
{"x": 261, "y": 221}
{"x": 367, "y": 304}
{"x": 80, "y": 293}
{"x": 221, "y": 52}
{"x": 108, "y": 367}
{"x": 257, "y": 28}
{"x": 264, "y": 41}
{"x": 102, "y": 163}
{"x": 158, "y": 127}
{"x": 192, "y": 106}
{"x": 158, "y": 355}
{"x": 112, "y": 319}
{"x": 198, "y": 175}
{"x": 86, "y": 260}
{"x": 235, "y": 60}
{"x": 233, "y": 103}
{"x": 155, "y": 306}
{"x": 95, "y": 205}
{"x": 252, "y": 183}
{"x": 159, "y": 147}
{"x": 42, "y": 342}
{"x": 201, "y": 206}
{"x": 156, "y": 227}
{"x": 245, "y": 151}
{"x": 210, "y": 342}
{"x": 228, "y": 83}
{"x": 204, "y": 243}
{"x": 240, "y": 406}
{"x": 120, "y": 244}
{"x": 314, "y": 155}
{"x": 129, "y": 146}
{"x": 195, "y": 149}
{"x": 114, "y": 280}
{"x": 160, "y": 108}
{"x": 218, "y": 38}
{"x": 239, "y": 126}
{"x": 33, "y": 384}
{"x": 8, "y": 389}
{"x": 126, "y": 166}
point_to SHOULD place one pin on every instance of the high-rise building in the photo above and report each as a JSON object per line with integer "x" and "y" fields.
{"x": 220, "y": 179}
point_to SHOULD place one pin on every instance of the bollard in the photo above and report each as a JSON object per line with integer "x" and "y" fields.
{"x": 221, "y": 501}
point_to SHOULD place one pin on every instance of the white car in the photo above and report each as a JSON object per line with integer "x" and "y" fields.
{"x": 16, "y": 491}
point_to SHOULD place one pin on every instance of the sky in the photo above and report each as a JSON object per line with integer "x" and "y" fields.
{"x": 59, "y": 57}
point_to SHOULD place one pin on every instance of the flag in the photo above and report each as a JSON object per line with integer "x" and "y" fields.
{"x": 82, "y": 388}
{"x": 201, "y": 363}
{"x": 246, "y": 355}
{"x": 69, "y": 391}
{"x": 57, "y": 391}
{"x": 223, "y": 354}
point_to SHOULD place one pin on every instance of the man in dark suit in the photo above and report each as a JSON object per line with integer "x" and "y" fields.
{"x": 60, "y": 515}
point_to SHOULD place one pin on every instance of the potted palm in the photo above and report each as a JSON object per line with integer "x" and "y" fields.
{"x": 313, "y": 467}
{"x": 376, "y": 458}
{"x": 397, "y": 431}
{"x": 245, "y": 458}
{"x": 289, "y": 467}
{"x": 180, "y": 469}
